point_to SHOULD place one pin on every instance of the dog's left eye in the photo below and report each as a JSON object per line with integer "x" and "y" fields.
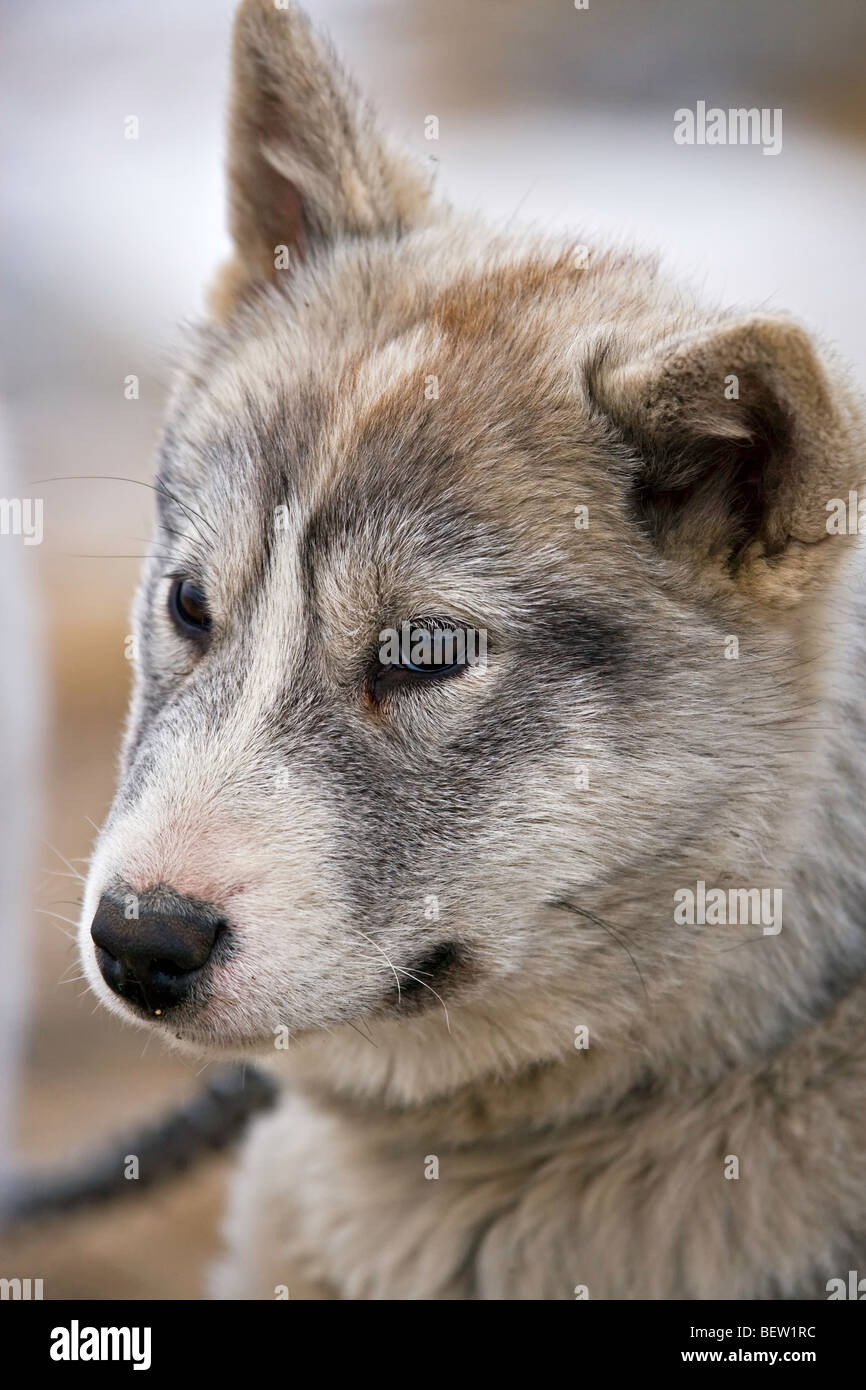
{"x": 188, "y": 607}
{"x": 415, "y": 654}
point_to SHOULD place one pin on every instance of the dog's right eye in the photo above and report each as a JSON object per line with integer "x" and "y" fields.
{"x": 188, "y": 607}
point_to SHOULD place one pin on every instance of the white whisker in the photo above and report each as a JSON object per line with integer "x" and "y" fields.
{"x": 432, "y": 991}
{"x": 43, "y": 911}
{"x": 64, "y": 860}
{"x": 388, "y": 959}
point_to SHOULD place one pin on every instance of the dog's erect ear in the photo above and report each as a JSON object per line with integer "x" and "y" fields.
{"x": 306, "y": 161}
{"x": 742, "y": 439}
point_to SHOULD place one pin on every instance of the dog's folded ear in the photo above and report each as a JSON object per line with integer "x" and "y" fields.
{"x": 741, "y": 439}
{"x": 306, "y": 160}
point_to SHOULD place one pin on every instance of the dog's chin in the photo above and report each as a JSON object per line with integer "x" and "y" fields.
{"x": 207, "y": 1028}
{"x": 199, "y": 1028}
{"x": 202, "y": 1039}
{"x": 214, "y": 1026}
{"x": 195, "y": 1028}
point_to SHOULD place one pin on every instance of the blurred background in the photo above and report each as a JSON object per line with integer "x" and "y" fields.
{"x": 548, "y": 115}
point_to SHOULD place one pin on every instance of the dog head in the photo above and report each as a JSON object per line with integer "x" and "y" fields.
{"x": 540, "y": 456}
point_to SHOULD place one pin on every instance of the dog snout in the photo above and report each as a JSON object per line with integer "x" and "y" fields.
{"x": 154, "y": 959}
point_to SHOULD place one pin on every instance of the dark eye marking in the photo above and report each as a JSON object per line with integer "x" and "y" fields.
{"x": 188, "y": 608}
{"x": 423, "y": 651}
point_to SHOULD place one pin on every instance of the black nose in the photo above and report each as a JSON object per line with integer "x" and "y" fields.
{"x": 155, "y": 959}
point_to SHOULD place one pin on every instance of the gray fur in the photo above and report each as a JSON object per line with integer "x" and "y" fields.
{"x": 259, "y": 775}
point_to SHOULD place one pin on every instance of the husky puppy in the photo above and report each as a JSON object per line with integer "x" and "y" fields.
{"x": 560, "y": 953}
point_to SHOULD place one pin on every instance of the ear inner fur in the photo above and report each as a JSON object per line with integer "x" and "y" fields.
{"x": 306, "y": 160}
{"x": 738, "y": 481}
